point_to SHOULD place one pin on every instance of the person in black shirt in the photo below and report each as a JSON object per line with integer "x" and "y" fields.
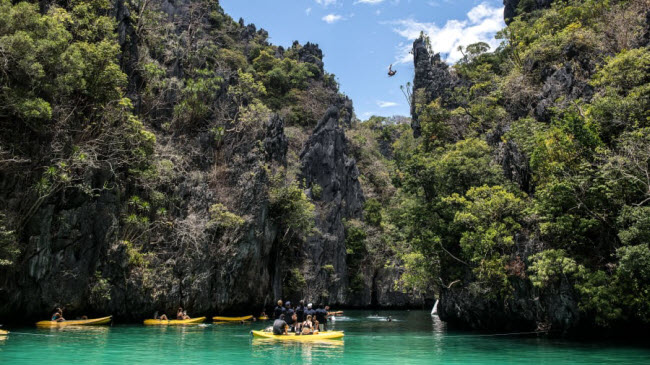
{"x": 288, "y": 315}
{"x": 310, "y": 311}
{"x": 279, "y": 309}
{"x": 300, "y": 311}
{"x": 280, "y": 326}
{"x": 321, "y": 316}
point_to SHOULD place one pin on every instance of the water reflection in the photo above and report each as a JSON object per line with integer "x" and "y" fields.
{"x": 439, "y": 327}
{"x": 94, "y": 330}
{"x": 307, "y": 352}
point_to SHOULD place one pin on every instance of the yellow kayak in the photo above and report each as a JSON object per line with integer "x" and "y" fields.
{"x": 3, "y": 333}
{"x": 327, "y": 335}
{"x": 78, "y": 322}
{"x": 232, "y": 319}
{"x": 173, "y": 322}
{"x": 263, "y": 318}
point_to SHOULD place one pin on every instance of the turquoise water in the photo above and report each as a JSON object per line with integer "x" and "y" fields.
{"x": 413, "y": 337}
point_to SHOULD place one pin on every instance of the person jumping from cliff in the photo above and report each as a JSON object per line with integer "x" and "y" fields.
{"x": 391, "y": 72}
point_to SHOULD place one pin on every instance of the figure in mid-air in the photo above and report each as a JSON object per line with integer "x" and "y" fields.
{"x": 391, "y": 72}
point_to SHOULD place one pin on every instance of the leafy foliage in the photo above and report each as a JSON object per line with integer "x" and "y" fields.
{"x": 501, "y": 167}
{"x": 291, "y": 207}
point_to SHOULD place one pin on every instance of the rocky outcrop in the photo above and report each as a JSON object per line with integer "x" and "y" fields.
{"x": 561, "y": 82}
{"x": 66, "y": 239}
{"x": 327, "y": 168}
{"x": 276, "y": 143}
{"x": 82, "y": 250}
{"x": 432, "y": 80}
{"x": 311, "y": 53}
{"x": 512, "y": 7}
{"x": 555, "y": 310}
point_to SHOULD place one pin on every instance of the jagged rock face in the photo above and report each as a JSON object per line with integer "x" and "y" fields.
{"x": 276, "y": 143}
{"x": 325, "y": 163}
{"x": 561, "y": 83}
{"x": 432, "y": 79}
{"x": 514, "y": 164}
{"x": 76, "y": 238}
{"x": 65, "y": 243}
{"x": 77, "y": 254}
{"x": 510, "y": 7}
{"x": 311, "y": 53}
{"x": 380, "y": 290}
{"x": 556, "y": 310}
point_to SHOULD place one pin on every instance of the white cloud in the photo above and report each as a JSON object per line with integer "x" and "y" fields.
{"x": 308, "y": 11}
{"x": 326, "y": 3}
{"x": 482, "y": 22}
{"x": 332, "y": 18}
{"x": 386, "y": 104}
{"x": 371, "y": 2}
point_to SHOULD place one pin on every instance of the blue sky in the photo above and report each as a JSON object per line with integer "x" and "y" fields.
{"x": 360, "y": 38}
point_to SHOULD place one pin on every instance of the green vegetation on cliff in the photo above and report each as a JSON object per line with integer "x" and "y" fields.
{"x": 150, "y": 155}
{"x": 532, "y": 166}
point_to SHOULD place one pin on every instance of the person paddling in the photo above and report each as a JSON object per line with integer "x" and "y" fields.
{"x": 181, "y": 314}
{"x": 280, "y": 326}
{"x": 58, "y": 315}
{"x": 162, "y": 317}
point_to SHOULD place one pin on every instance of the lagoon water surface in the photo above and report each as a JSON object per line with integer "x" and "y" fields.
{"x": 413, "y": 337}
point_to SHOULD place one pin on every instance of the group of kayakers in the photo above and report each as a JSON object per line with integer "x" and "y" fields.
{"x": 302, "y": 320}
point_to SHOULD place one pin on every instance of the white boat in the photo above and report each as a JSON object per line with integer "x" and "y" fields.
{"x": 434, "y": 311}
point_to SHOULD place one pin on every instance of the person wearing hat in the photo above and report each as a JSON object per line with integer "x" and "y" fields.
{"x": 310, "y": 311}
